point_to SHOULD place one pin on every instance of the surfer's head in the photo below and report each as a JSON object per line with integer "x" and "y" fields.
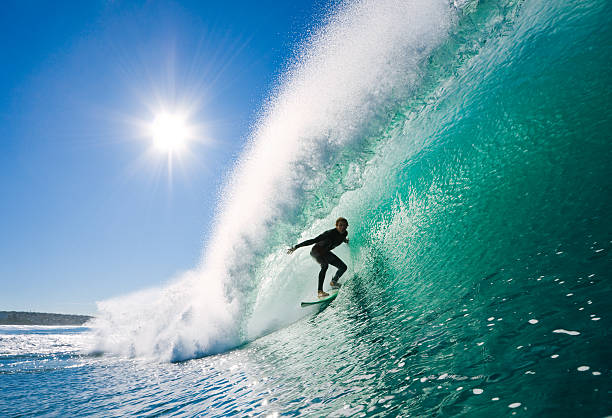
{"x": 341, "y": 224}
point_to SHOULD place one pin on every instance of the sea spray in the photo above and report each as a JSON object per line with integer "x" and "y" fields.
{"x": 181, "y": 320}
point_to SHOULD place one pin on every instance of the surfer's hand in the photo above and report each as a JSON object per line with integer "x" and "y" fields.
{"x": 291, "y": 250}
{"x": 346, "y": 240}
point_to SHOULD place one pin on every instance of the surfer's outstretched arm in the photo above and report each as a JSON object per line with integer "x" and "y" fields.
{"x": 307, "y": 242}
{"x": 302, "y": 244}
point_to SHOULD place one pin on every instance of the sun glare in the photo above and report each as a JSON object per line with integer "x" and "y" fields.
{"x": 170, "y": 132}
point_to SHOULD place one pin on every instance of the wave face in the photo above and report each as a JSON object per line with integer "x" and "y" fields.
{"x": 468, "y": 145}
{"x": 355, "y": 69}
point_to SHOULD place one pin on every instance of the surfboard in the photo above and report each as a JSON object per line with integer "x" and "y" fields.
{"x": 332, "y": 296}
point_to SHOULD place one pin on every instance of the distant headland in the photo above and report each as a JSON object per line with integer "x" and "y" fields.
{"x": 40, "y": 318}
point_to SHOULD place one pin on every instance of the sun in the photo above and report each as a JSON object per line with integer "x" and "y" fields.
{"x": 170, "y": 132}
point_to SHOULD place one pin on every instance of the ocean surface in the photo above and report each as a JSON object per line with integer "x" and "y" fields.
{"x": 469, "y": 145}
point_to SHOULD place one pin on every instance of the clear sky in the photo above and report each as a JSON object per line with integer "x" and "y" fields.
{"x": 89, "y": 208}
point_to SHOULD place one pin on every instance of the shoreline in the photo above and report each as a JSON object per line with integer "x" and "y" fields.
{"x": 41, "y": 318}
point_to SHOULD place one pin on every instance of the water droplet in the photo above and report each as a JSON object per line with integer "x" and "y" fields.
{"x": 495, "y": 399}
{"x": 596, "y": 373}
{"x": 514, "y": 405}
{"x": 554, "y": 356}
{"x": 533, "y": 321}
{"x": 583, "y": 368}
{"x": 477, "y": 391}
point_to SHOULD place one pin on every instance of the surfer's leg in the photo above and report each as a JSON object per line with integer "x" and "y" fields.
{"x": 324, "y": 264}
{"x": 332, "y": 259}
{"x": 322, "y": 275}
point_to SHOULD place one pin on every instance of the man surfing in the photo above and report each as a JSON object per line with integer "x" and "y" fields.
{"x": 321, "y": 251}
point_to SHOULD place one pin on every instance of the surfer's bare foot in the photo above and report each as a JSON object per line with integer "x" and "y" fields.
{"x": 335, "y": 285}
{"x": 323, "y": 294}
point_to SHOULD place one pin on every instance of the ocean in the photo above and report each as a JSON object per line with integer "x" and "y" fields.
{"x": 468, "y": 145}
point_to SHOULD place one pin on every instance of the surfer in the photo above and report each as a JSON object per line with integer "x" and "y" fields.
{"x": 321, "y": 251}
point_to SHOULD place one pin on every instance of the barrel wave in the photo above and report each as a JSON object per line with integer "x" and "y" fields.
{"x": 468, "y": 144}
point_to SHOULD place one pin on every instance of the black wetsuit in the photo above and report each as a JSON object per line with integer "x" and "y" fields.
{"x": 321, "y": 251}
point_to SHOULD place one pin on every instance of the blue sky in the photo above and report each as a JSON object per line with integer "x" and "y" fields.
{"x": 88, "y": 209}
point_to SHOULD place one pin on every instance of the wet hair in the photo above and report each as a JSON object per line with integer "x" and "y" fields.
{"x": 341, "y": 219}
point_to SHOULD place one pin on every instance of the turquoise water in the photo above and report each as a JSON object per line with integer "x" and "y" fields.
{"x": 469, "y": 147}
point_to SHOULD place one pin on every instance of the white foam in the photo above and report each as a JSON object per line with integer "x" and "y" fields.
{"x": 564, "y": 331}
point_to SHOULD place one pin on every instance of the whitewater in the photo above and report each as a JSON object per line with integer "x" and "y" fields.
{"x": 468, "y": 145}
